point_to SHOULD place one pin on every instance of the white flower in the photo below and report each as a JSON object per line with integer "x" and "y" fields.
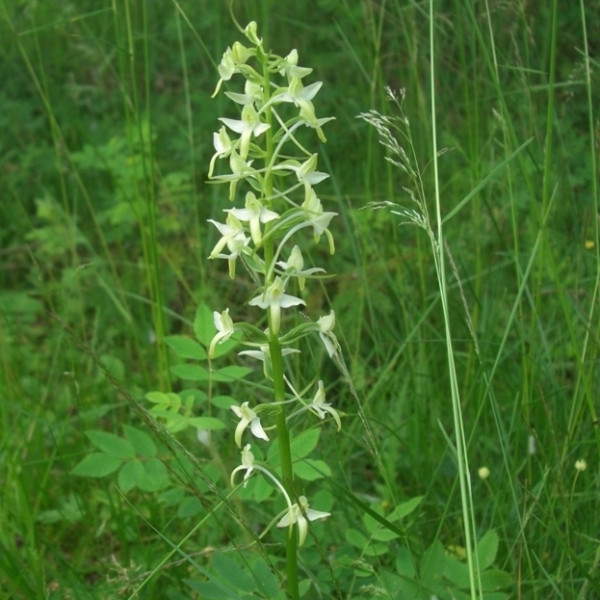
{"x": 301, "y": 514}
{"x": 255, "y": 214}
{"x": 321, "y": 408}
{"x": 251, "y": 32}
{"x": 232, "y": 236}
{"x": 318, "y": 219}
{"x": 230, "y": 62}
{"x": 264, "y": 355}
{"x": 295, "y": 267}
{"x": 225, "y": 330}
{"x": 275, "y": 299}
{"x": 581, "y": 465}
{"x": 223, "y": 147}
{"x": 250, "y": 125}
{"x": 305, "y": 172}
{"x": 252, "y": 93}
{"x": 483, "y": 472}
{"x": 326, "y": 324}
{"x": 247, "y": 417}
{"x": 289, "y": 66}
{"x": 247, "y": 465}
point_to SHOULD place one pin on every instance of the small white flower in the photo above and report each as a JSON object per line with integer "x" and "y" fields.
{"x": 233, "y": 236}
{"x": 252, "y": 93}
{"x": 289, "y": 66}
{"x": 223, "y": 148}
{"x": 247, "y": 417}
{"x": 326, "y": 324}
{"x": 225, "y": 330}
{"x": 301, "y": 514}
{"x": 251, "y": 32}
{"x": 581, "y": 465}
{"x": 203, "y": 436}
{"x": 275, "y": 299}
{"x": 264, "y": 355}
{"x": 483, "y": 472}
{"x": 231, "y": 60}
{"x": 254, "y": 213}
{"x": 322, "y": 408}
{"x": 294, "y": 266}
{"x": 319, "y": 220}
{"x": 301, "y": 96}
{"x": 248, "y": 126}
{"x": 247, "y": 465}
{"x": 305, "y": 172}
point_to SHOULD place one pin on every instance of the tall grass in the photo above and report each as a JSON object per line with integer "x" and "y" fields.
{"x": 108, "y": 132}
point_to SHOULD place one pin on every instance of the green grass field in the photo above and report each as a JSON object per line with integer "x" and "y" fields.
{"x": 469, "y": 396}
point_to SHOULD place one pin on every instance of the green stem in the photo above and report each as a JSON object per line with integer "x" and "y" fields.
{"x": 287, "y": 471}
{"x": 283, "y": 434}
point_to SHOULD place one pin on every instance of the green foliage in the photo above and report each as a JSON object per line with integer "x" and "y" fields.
{"x": 106, "y": 120}
{"x": 229, "y": 581}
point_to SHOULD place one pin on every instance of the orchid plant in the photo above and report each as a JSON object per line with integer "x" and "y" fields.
{"x": 272, "y": 176}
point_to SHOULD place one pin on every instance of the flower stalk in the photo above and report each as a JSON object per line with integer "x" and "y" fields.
{"x": 274, "y": 174}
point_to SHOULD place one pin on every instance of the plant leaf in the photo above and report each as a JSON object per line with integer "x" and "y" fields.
{"x": 304, "y": 443}
{"x": 155, "y": 477}
{"x": 404, "y": 509}
{"x": 130, "y": 474}
{"x": 487, "y": 548}
{"x": 312, "y": 469}
{"x": 186, "y": 347}
{"x": 204, "y": 325}
{"x": 97, "y": 464}
{"x": 111, "y": 444}
{"x": 209, "y": 423}
{"x": 190, "y": 372}
{"x": 231, "y": 373}
{"x": 142, "y": 443}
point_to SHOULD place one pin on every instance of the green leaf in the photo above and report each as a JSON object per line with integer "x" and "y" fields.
{"x": 487, "y": 549}
{"x": 186, "y": 347}
{"x": 231, "y": 373}
{"x": 204, "y": 325}
{"x": 190, "y": 507}
{"x": 111, "y": 444}
{"x": 312, "y": 469}
{"x": 356, "y": 538}
{"x": 433, "y": 565}
{"x": 266, "y": 581}
{"x": 190, "y": 372}
{"x": 384, "y": 535}
{"x": 404, "y": 509}
{"x": 155, "y": 477}
{"x": 209, "y": 423}
{"x": 130, "y": 474}
{"x": 223, "y": 401}
{"x": 164, "y": 400}
{"x": 495, "y": 579}
{"x": 405, "y": 564}
{"x": 457, "y": 572}
{"x": 226, "y": 347}
{"x": 97, "y": 464}
{"x": 142, "y": 443}
{"x": 172, "y": 496}
{"x": 231, "y": 571}
{"x": 304, "y": 443}
{"x": 212, "y": 590}
{"x": 376, "y": 549}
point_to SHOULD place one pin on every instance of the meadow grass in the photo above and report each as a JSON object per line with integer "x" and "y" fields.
{"x": 490, "y": 340}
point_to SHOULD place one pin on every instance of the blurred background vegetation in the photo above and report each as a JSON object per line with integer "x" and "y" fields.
{"x": 107, "y": 123}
